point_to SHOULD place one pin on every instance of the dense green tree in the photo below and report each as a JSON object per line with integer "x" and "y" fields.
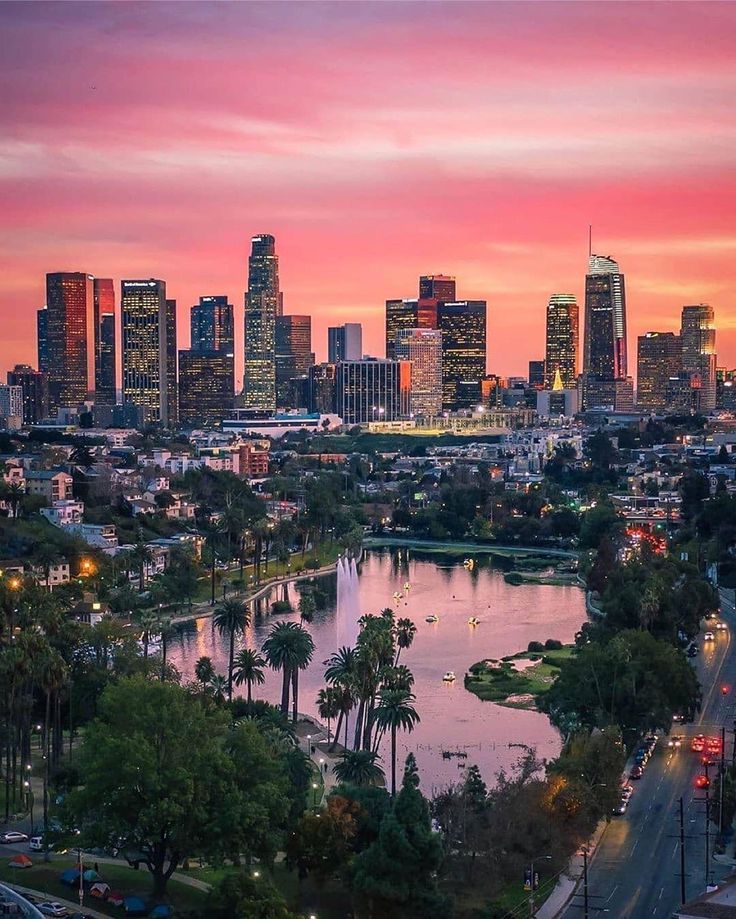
{"x": 359, "y": 767}
{"x": 598, "y": 523}
{"x": 320, "y": 844}
{"x": 244, "y": 896}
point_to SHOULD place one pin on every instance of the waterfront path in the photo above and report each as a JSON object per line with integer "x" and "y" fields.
{"x": 376, "y": 542}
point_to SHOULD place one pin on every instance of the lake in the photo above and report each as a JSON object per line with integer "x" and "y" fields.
{"x": 452, "y": 718}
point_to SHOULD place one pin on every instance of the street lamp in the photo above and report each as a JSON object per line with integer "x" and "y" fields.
{"x": 315, "y": 786}
{"x": 537, "y": 858}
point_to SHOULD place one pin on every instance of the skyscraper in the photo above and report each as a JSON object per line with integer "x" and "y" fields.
{"x": 408, "y": 314}
{"x": 35, "y": 388}
{"x": 70, "y": 337}
{"x": 698, "y": 335}
{"x": 212, "y": 325}
{"x": 606, "y": 383}
{"x": 206, "y": 386}
{"x": 104, "y": 309}
{"x": 345, "y": 342}
{"x": 436, "y": 287}
{"x": 659, "y": 358}
{"x": 294, "y": 354}
{"x": 373, "y": 390}
{"x": 536, "y": 374}
{"x": 423, "y": 349}
{"x": 42, "y": 321}
{"x": 172, "y": 389}
{"x": 322, "y": 387}
{"x": 463, "y": 328}
{"x": 561, "y": 340}
{"x": 146, "y": 374}
{"x": 262, "y": 306}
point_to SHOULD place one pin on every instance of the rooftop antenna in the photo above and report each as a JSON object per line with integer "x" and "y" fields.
{"x": 590, "y": 239}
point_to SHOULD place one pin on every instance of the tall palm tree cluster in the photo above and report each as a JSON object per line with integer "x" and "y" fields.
{"x": 369, "y": 681}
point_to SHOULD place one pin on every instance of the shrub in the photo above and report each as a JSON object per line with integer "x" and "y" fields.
{"x": 552, "y": 644}
{"x": 535, "y": 646}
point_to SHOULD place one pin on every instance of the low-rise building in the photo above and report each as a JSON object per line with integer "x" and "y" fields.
{"x": 51, "y": 484}
{"x": 63, "y": 513}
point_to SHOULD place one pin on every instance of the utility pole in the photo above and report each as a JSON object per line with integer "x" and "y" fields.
{"x": 721, "y": 783}
{"x": 733, "y": 753}
{"x": 682, "y": 853}
{"x": 585, "y": 883}
{"x": 707, "y": 825}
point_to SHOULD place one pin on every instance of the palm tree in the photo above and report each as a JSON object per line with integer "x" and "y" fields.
{"x": 405, "y": 632}
{"x": 204, "y": 671}
{"x": 52, "y": 675}
{"x": 249, "y": 670}
{"x": 231, "y": 618}
{"x": 340, "y": 673}
{"x": 398, "y": 678}
{"x": 289, "y": 648}
{"x": 219, "y": 685}
{"x": 149, "y": 623}
{"x": 165, "y": 630}
{"x": 359, "y": 767}
{"x": 328, "y": 705}
{"x": 141, "y": 555}
{"x": 395, "y": 711}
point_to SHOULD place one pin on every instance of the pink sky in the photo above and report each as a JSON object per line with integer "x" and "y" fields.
{"x": 376, "y": 141}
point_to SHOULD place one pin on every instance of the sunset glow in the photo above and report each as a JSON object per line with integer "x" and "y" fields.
{"x": 375, "y": 141}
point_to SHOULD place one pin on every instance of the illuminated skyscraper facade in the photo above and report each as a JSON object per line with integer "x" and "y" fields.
{"x": 345, "y": 342}
{"x": 42, "y": 341}
{"x": 373, "y": 390}
{"x": 172, "y": 386}
{"x": 104, "y": 307}
{"x": 698, "y": 335}
{"x": 463, "y": 327}
{"x": 606, "y": 383}
{"x": 408, "y": 314}
{"x": 70, "y": 338}
{"x": 206, "y": 387}
{"x": 34, "y": 386}
{"x": 294, "y": 354}
{"x": 437, "y": 287}
{"x": 145, "y": 345}
{"x": 561, "y": 340}
{"x": 659, "y": 358}
{"x": 212, "y": 325}
{"x": 423, "y": 349}
{"x": 262, "y": 306}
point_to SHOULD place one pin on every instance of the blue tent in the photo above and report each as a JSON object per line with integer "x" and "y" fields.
{"x": 161, "y": 912}
{"x": 134, "y": 906}
{"x": 70, "y": 876}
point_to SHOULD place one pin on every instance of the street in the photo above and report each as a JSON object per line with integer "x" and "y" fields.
{"x": 635, "y": 871}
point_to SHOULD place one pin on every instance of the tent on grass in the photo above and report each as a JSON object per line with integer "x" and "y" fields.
{"x": 115, "y": 897}
{"x": 134, "y": 906}
{"x": 100, "y": 890}
{"x": 163, "y": 911}
{"x": 70, "y": 877}
{"x": 90, "y": 876}
{"x": 20, "y": 861}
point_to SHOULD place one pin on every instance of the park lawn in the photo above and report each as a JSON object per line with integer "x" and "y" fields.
{"x": 44, "y": 877}
{"x": 513, "y": 896}
{"x": 499, "y": 681}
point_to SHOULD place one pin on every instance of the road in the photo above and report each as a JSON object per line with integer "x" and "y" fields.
{"x": 635, "y": 872}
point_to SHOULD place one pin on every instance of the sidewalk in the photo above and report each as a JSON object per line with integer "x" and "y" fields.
{"x": 570, "y": 880}
{"x": 72, "y": 906}
{"x": 310, "y": 731}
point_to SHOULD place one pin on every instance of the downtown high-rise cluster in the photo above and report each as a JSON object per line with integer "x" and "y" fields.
{"x": 434, "y": 364}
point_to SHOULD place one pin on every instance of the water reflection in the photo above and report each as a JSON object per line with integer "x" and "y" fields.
{"x": 452, "y": 719}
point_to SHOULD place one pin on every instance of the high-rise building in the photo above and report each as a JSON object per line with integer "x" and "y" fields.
{"x": 408, "y": 314}
{"x": 536, "y": 374}
{"x": 604, "y": 349}
{"x": 463, "y": 327}
{"x": 698, "y": 335}
{"x": 322, "y": 388}
{"x": 206, "y": 387}
{"x": 263, "y": 304}
{"x": 11, "y": 406}
{"x": 212, "y": 325}
{"x": 294, "y": 354}
{"x": 423, "y": 349}
{"x": 145, "y": 346}
{"x": 70, "y": 337}
{"x": 373, "y": 390}
{"x": 42, "y": 321}
{"x": 659, "y": 357}
{"x": 437, "y": 287}
{"x": 35, "y": 389}
{"x": 172, "y": 390}
{"x": 104, "y": 322}
{"x": 561, "y": 340}
{"x": 345, "y": 342}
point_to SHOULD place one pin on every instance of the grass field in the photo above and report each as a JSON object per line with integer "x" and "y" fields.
{"x": 500, "y": 681}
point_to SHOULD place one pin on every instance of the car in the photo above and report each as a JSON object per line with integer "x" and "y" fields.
{"x": 620, "y": 808}
{"x": 707, "y": 759}
{"x": 697, "y": 744}
{"x": 13, "y": 836}
{"x": 692, "y": 650}
{"x": 702, "y": 781}
{"x": 641, "y": 755}
{"x": 709, "y": 636}
{"x": 627, "y": 791}
{"x": 675, "y": 742}
{"x": 713, "y": 744}
{"x": 636, "y": 772}
{"x": 721, "y": 627}
{"x": 677, "y": 717}
{"x": 52, "y": 908}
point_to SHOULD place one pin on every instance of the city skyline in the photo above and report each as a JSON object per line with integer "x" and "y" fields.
{"x": 600, "y": 148}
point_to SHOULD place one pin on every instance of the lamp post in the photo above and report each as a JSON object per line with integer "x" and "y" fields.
{"x": 315, "y": 786}
{"x": 537, "y": 858}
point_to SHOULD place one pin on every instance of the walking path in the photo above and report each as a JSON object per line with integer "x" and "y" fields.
{"x": 312, "y": 738}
